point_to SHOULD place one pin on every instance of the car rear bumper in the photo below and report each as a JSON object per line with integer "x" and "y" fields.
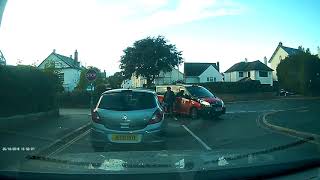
{"x": 146, "y": 137}
{"x": 213, "y": 111}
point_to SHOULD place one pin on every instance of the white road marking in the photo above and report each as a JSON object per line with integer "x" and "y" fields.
{"x": 65, "y": 136}
{"x": 197, "y": 138}
{"x": 63, "y": 147}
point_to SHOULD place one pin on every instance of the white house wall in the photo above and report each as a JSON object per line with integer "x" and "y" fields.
{"x": 192, "y": 79}
{"x": 253, "y": 75}
{"x": 138, "y": 82}
{"x": 276, "y": 60}
{"x": 227, "y": 77}
{"x": 163, "y": 78}
{"x": 264, "y": 80}
{"x": 168, "y": 77}
{"x": 126, "y": 84}
{"x": 210, "y": 72}
{"x": 235, "y": 76}
{"x": 71, "y": 78}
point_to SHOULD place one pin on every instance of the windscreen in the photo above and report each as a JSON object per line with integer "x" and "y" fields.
{"x": 84, "y": 86}
{"x": 199, "y": 92}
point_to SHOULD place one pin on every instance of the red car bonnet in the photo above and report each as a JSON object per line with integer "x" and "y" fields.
{"x": 211, "y": 99}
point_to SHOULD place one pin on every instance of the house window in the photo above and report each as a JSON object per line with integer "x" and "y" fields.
{"x": 61, "y": 77}
{"x": 240, "y": 74}
{"x": 263, "y": 73}
{"x": 209, "y": 79}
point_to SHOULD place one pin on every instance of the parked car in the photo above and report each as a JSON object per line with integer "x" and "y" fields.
{"x": 125, "y": 116}
{"x": 193, "y": 100}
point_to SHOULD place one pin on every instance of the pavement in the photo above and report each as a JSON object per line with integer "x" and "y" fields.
{"x": 251, "y": 125}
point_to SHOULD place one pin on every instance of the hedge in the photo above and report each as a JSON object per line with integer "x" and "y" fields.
{"x": 80, "y": 99}
{"x": 26, "y": 89}
{"x": 238, "y": 87}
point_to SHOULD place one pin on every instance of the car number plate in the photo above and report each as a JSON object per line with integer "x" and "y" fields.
{"x": 124, "y": 138}
{"x": 219, "y": 109}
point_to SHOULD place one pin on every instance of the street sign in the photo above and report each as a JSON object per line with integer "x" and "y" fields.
{"x": 91, "y": 75}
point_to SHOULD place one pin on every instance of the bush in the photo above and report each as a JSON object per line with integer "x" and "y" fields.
{"x": 300, "y": 73}
{"x": 26, "y": 89}
{"x": 80, "y": 99}
{"x": 237, "y": 87}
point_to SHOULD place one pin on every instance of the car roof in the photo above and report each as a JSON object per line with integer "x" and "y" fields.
{"x": 128, "y": 90}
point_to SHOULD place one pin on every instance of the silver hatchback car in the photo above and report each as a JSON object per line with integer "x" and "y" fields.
{"x": 124, "y": 116}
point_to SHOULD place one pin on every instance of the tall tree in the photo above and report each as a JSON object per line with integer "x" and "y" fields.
{"x": 147, "y": 57}
{"x": 115, "y": 80}
{"x": 300, "y": 72}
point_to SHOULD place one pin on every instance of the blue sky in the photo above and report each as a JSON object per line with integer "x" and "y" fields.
{"x": 205, "y": 30}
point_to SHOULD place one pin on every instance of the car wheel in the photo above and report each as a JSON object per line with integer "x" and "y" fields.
{"x": 193, "y": 113}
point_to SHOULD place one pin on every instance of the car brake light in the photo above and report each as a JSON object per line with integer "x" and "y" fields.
{"x": 157, "y": 117}
{"x": 95, "y": 117}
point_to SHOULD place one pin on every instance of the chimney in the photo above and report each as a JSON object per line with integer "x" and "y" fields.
{"x": 71, "y": 56}
{"x": 280, "y": 43}
{"x": 76, "y": 56}
{"x": 265, "y": 60}
{"x": 318, "y": 51}
{"x": 245, "y": 60}
{"x": 218, "y": 66}
{"x": 54, "y": 51}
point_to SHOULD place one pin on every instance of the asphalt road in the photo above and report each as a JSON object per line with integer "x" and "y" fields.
{"x": 253, "y": 126}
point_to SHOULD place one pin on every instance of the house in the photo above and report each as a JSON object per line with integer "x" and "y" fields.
{"x": 278, "y": 55}
{"x": 127, "y": 83}
{"x": 170, "y": 77}
{"x": 68, "y": 68}
{"x": 2, "y": 59}
{"x": 255, "y": 70}
{"x": 202, "y": 72}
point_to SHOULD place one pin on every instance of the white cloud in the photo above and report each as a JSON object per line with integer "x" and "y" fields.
{"x": 100, "y": 30}
{"x": 188, "y": 11}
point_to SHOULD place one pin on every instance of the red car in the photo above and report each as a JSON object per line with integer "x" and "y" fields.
{"x": 193, "y": 100}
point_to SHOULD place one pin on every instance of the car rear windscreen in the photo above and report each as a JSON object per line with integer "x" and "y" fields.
{"x": 127, "y": 101}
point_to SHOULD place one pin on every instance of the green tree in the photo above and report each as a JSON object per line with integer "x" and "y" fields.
{"x": 300, "y": 72}
{"x": 149, "y": 56}
{"x": 84, "y": 83}
{"x": 115, "y": 80}
{"x": 53, "y": 72}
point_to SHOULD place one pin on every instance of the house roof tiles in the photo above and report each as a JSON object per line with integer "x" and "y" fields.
{"x": 248, "y": 66}
{"x": 196, "y": 69}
